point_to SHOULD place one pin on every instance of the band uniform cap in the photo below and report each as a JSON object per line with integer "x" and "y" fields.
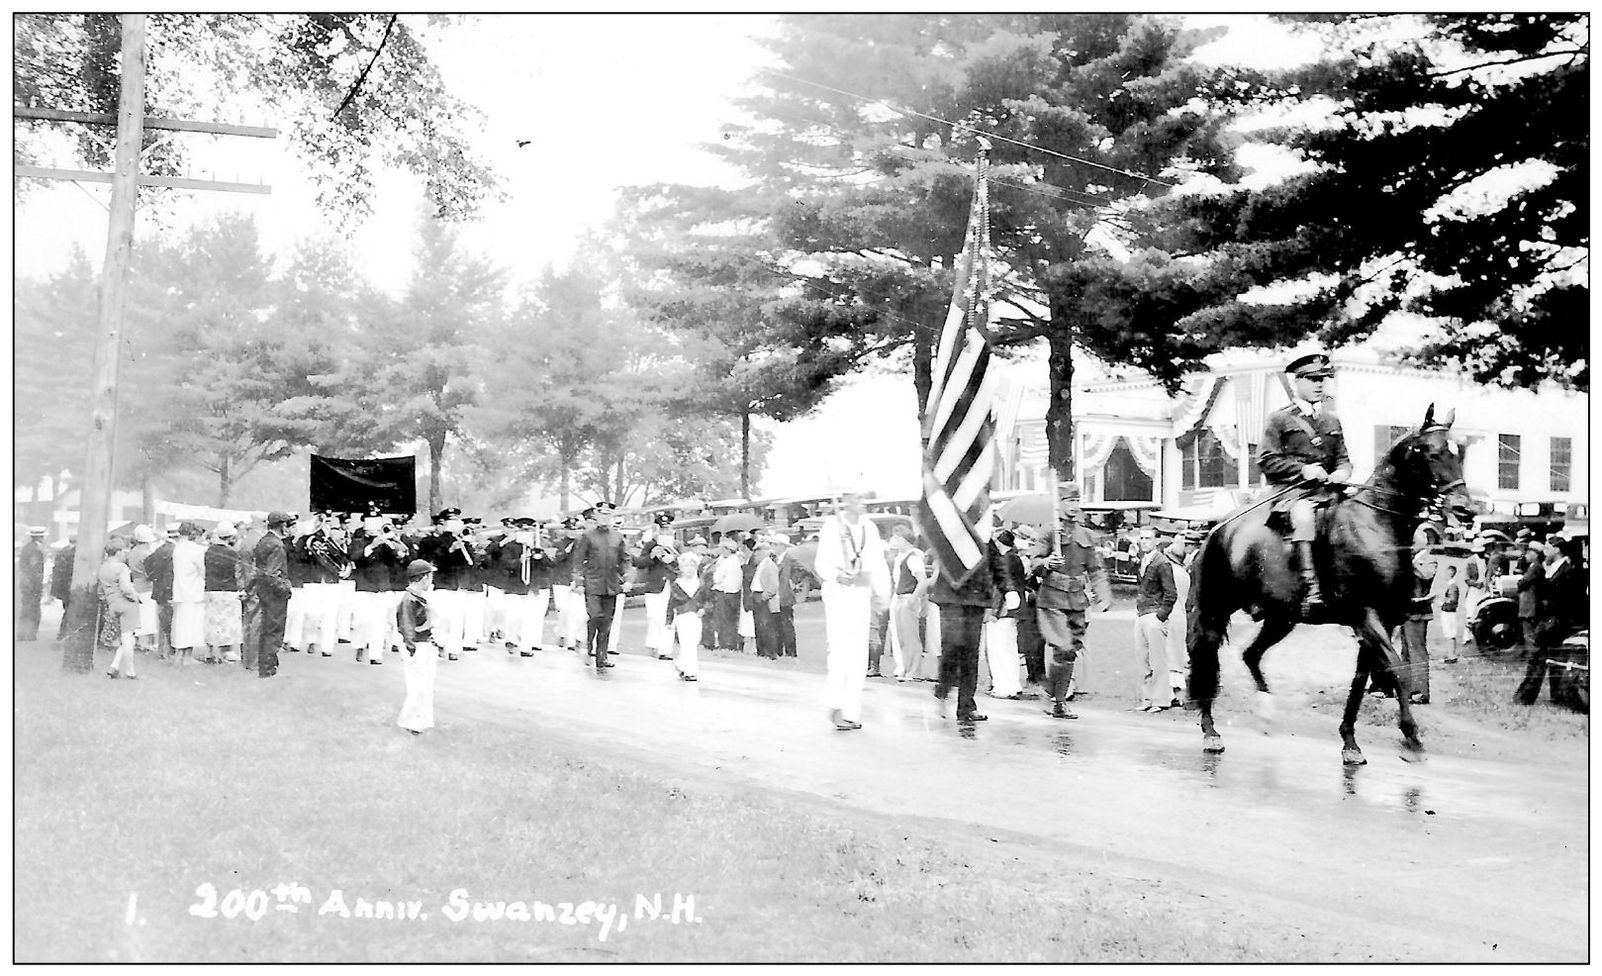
{"x": 280, "y": 518}
{"x": 1312, "y": 365}
{"x": 225, "y": 531}
{"x": 37, "y": 531}
{"x": 446, "y": 514}
{"x": 663, "y": 518}
{"x": 604, "y": 507}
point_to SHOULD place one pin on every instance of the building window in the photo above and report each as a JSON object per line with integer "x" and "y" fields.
{"x": 1384, "y": 436}
{"x": 1205, "y": 463}
{"x": 1562, "y": 461}
{"x": 1507, "y": 461}
{"x": 1122, "y": 479}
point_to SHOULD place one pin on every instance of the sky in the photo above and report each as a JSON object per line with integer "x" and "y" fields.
{"x": 606, "y": 101}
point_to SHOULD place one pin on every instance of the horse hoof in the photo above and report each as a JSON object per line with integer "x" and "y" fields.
{"x": 1265, "y": 706}
{"x": 1212, "y": 743}
{"x": 1353, "y": 757}
{"x": 1412, "y": 751}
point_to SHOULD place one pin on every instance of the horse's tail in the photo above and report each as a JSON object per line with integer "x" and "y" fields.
{"x": 1208, "y": 611}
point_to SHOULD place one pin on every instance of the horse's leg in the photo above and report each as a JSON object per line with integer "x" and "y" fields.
{"x": 1275, "y": 628}
{"x": 1391, "y": 660}
{"x": 1211, "y": 740}
{"x": 1351, "y": 755}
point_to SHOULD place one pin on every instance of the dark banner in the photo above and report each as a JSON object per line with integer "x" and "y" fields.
{"x": 344, "y": 485}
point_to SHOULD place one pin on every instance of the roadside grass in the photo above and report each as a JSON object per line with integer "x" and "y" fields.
{"x": 131, "y": 795}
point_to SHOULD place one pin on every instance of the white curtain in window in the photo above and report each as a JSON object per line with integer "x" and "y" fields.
{"x": 1094, "y": 448}
{"x": 1147, "y": 452}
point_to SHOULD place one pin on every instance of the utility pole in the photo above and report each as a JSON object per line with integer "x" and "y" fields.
{"x": 95, "y": 494}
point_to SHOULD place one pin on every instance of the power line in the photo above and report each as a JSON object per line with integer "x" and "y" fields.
{"x": 978, "y": 131}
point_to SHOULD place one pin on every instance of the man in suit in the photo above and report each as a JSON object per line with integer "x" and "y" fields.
{"x": 1068, "y": 579}
{"x": 1154, "y": 605}
{"x": 1530, "y": 580}
{"x": 269, "y": 580}
{"x": 61, "y": 582}
{"x": 30, "y": 584}
{"x": 597, "y": 571}
{"x": 1303, "y": 445}
{"x": 1562, "y": 610}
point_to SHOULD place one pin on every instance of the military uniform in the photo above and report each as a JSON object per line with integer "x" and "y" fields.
{"x": 598, "y": 560}
{"x": 1063, "y": 596}
{"x": 962, "y": 615}
{"x": 1305, "y": 432}
{"x": 269, "y": 581}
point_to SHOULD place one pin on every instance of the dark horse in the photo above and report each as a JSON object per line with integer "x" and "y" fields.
{"x": 1365, "y": 557}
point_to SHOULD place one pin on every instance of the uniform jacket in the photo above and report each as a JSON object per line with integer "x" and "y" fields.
{"x": 1564, "y": 607}
{"x": 30, "y": 570}
{"x": 598, "y": 560}
{"x": 1292, "y": 440}
{"x": 654, "y": 574}
{"x": 1530, "y": 588}
{"x": 453, "y": 559}
{"x": 375, "y": 559}
{"x": 1157, "y": 593}
{"x": 510, "y": 560}
{"x": 1064, "y": 588}
{"x": 845, "y": 548}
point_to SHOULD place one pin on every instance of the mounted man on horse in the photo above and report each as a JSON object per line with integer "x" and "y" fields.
{"x": 1363, "y": 555}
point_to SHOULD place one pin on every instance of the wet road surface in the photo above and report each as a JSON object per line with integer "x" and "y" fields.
{"x": 1452, "y": 858}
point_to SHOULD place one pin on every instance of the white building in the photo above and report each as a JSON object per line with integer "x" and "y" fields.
{"x": 1135, "y": 442}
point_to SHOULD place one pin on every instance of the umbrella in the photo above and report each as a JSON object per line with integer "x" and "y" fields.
{"x": 738, "y": 522}
{"x": 1032, "y": 509}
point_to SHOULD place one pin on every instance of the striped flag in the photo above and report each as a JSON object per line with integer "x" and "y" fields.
{"x": 959, "y": 419}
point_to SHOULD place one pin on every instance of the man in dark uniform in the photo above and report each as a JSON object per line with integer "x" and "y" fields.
{"x": 269, "y": 580}
{"x": 158, "y": 568}
{"x": 596, "y": 570}
{"x": 1068, "y": 580}
{"x": 962, "y": 616}
{"x": 30, "y": 584}
{"x": 1303, "y": 445}
{"x": 559, "y": 551}
{"x": 61, "y": 582}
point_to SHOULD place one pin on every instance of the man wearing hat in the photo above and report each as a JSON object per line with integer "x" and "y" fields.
{"x": 852, "y": 575}
{"x": 30, "y": 584}
{"x": 655, "y": 567}
{"x": 416, "y": 625}
{"x": 598, "y": 559}
{"x": 269, "y": 581}
{"x": 564, "y": 536}
{"x": 524, "y": 572}
{"x": 376, "y": 551}
{"x": 61, "y": 580}
{"x": 1156, "y": 600}
{"x": 1071, "y": 579}
{"x": 1303, "y": 447}
{"x": 453, "y": 557}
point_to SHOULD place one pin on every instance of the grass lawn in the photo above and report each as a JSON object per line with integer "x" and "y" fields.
{"x": 130, "y": 796}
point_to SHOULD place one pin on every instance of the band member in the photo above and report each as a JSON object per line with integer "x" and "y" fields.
{"x": 376, "y": 550}
{"x": 453, "y": 557}
{"x": 474, "y": 600}
{"x": 1304, "y": 446}
{"x": 525, "y": 577}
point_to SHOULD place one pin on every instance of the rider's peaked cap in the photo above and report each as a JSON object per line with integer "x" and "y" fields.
{"x": 1311, "y": 366}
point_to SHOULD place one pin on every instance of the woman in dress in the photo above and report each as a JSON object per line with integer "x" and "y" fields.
{"x": 188, "y": 592}
{"x": 224, "y": 621}
{"x": 122, "y": 601}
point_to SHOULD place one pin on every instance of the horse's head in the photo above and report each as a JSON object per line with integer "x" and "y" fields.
{"x": 1429, "y": 462}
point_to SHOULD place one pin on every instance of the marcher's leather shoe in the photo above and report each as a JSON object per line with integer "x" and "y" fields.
{"x": 973, "y": 717}
{"x": 525, "y": 653}
{"x": 1059, "y": 710}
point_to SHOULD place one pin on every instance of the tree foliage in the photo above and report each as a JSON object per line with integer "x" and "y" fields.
{"x": 294, "y": 68}
{"x": 1449, "y": 180}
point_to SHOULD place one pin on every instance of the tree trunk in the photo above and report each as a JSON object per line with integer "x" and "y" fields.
{"x": 147, "y": 500}
{"x": 745, "y": 453}
{"x": 619, "y": 497}
{"x": 1059, "y": 412}
{"x": 922, "y": 377}
{"x": 225, "y": 481}
{"x": 562, "y": 486}
{"x": 436, "y": 455}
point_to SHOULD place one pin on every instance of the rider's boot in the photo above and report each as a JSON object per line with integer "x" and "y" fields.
{"x": 1312, "y": 596}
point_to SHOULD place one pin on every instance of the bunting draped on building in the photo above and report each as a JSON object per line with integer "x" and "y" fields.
{"x": 960, "y": 416}
{"x": 1147, "y": 452}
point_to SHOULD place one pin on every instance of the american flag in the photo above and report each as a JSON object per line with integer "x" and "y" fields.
{"x": 959, "y": 417}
